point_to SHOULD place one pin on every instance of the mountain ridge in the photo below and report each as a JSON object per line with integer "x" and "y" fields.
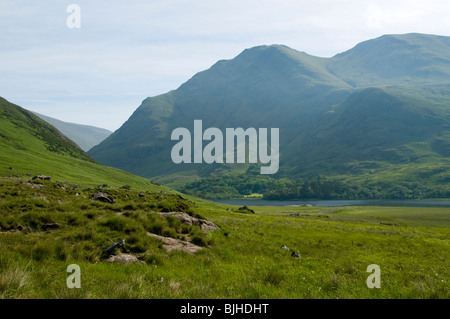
{"x": 86, "y": 136}
{"x": 303, "y": 95}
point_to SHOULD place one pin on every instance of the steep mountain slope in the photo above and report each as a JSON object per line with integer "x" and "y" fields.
{"x": 356, "y": 116}
{"x": 29, "y": 145}
{"x": 372, "y": 125}
{"x": 267, "y": 86}
{"x": 85, "y": 136}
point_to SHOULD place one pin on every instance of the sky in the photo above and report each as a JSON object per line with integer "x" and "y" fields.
{"x": 96, "y": 67}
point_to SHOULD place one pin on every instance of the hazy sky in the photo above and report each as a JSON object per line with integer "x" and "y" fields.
{"x": 125, "y": 51}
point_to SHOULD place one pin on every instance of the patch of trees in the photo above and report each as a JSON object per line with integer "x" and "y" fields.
{"x": 225, "y": 186}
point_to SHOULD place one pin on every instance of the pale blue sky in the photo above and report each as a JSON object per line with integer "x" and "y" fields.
{"x": 126, "y": 51}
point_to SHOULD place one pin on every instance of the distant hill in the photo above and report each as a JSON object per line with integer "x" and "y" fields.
{"x": 85, "y": 136}
{"x": 29, "y": 145}
{"x": 377, "y": 114}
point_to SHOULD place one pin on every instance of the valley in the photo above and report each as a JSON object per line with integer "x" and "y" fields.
{"x": 348, "y": 130}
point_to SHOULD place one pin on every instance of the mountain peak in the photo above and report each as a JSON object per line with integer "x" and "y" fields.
{"x": 303, "y": 95}
{"x": 273, "y": 51}
{"x": 394, "y": 59}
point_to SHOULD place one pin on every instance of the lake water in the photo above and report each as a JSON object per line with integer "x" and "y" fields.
{"x": 337, "y": 203}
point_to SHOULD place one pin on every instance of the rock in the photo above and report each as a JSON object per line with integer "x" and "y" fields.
{"x": 284, "y": 247}
{"x": 41, "y": 177}
{"x": 183, "y": 217}
{"x": 193, "y": 221}
{"x": 102, "y": 197}
{"x": 111, "y": 248}
{"x": 207, "y": 226}
{"x": 37, "y": 186}
{"x": 170, "y": 244}
{"x": 181, "y": 197}
{"x": 243, "y": 208}
{"x": 295, "y": 254}
{"x": 50, "y": 226}
{"x": 141, "y": 195}
{"x": 124, "y": 259}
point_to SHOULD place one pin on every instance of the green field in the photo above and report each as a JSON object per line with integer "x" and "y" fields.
{"x": 243, "y": 259}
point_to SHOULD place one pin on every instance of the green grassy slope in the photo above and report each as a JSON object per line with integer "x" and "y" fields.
{"x": 243, "y": 259}
{"x": 29, "y": 145}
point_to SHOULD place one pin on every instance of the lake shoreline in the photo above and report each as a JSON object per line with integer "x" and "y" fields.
{"x": 445, "y": 203}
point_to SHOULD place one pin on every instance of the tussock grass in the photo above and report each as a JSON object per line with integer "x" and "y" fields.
{"x": 243, "y": 259}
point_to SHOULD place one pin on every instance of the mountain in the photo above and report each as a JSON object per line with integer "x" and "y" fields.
{"x": 274, "y": 85}
{"x": 357, "y": 116}
{"x": 395, "y": 60}
{"x": 85, "y": 136}
{"x": 31, "y": 146}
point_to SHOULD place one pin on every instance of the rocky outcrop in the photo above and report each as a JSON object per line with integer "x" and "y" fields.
{"x": 246, "y": 210}
{"x": 35, "y": 186}
{"x": 205, "y": 225}
{"x": 41, "y": 177}
{"x": 102, "y": 197}
{"x": 170, "y": 244}
{"x": 124, "y": 259}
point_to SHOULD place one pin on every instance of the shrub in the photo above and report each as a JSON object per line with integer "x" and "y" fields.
{"x": 199, "y": 239}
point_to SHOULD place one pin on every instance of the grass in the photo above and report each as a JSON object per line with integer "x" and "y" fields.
{"x": 28, "y": 145}
{"x": 241, "y": 260}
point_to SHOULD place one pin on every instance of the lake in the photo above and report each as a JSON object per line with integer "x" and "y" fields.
{"x": 337, "y": 203}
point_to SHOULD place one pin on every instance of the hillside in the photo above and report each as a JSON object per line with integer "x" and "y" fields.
{"x": 85, "y": 136}
{"x": 377, "y": 114}
{"x": 29, "y": 145}
{"x": 173, "y": 246}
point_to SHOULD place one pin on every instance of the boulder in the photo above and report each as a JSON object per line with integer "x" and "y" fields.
{"x": 102, "y": 197}
{"x": 245, "y": 208}
{"x": 207, "y": 226}
{"x": 170, "y": 244}
{"x": 124, "y": 259}
{"x": 36, "y": 186}
{"x": 193, "y": 221}
{"x": 41, "y": 177}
